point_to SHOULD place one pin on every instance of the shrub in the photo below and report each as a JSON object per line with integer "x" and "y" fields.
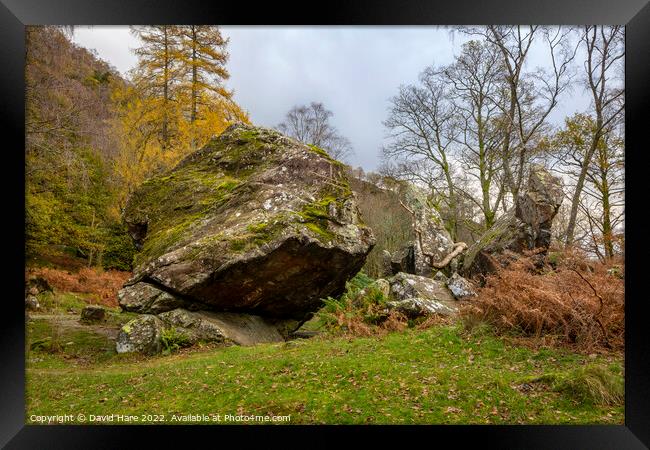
{"x": 173, "y": 340}
{"x": 103, "y": 284}
{"x": 592, "y": 384}
{"x": 577, "y": 303}
{"x": 120, "y": 249}
{"x": 360, "y": 311}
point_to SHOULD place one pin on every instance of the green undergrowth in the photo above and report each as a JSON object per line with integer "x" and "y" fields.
{"x": 173, "y": 340}
{"x": 591, "y": 384}
{"x": 362, "y": 301}
{"x": 441, "y": 375}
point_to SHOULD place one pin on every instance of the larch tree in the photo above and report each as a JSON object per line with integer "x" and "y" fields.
{"x": 175, "y": 103}
{"x": 158, "y": 75}
{"x": 203, "y": 59}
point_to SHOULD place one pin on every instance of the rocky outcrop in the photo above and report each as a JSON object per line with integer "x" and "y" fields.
{"x": 432, "y": 249}
{"x": 415, "y": 296}
{"x": 526, "y": 226}
{"x": 254, "y": 223}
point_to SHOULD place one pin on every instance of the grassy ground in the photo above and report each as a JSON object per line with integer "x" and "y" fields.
{"x": 442, "y": 375}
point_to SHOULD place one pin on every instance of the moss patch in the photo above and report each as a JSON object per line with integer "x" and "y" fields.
{"x": 257, "y": 235}
{"x": 174, "y": 205}
{"x": 324, "y": 154}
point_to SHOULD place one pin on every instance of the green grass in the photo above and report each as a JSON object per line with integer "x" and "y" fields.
{"x": 441, "y": 375}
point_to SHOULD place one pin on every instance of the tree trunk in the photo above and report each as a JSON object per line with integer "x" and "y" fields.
{"x": 165, "y": 131}
{"x": 194, "y": 86}
{"x": 575, "y": 201}
{"x": 607, "y": 220}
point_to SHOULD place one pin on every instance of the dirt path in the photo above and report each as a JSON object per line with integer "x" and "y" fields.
{"x": 72, "y": 322}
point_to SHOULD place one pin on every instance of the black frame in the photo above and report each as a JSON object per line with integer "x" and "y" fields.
{"x": 635, "y": 14}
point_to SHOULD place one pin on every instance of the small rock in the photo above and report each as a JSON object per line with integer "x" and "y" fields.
{"x": 31, "y": 303}
{"x": 93, "y": 313}
{"x": 460, "y": 287}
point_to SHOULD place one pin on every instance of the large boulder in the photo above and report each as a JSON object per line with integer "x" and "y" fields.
{"x": 253, "y": 223}
{"x": 526, "y": 226}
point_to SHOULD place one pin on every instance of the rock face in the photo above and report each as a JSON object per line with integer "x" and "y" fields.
{"x": 432, "y": 243}
{"x": 253, "y": 223}
{"x": 526, "y": 226}
{"x": 415, "y": 296}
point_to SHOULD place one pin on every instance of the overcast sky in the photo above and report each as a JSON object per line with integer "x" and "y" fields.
{"x": 352, "y": 70}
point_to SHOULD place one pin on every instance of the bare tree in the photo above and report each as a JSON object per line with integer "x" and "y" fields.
{"x": 531, "y": 95}
{"x": 311, "y": 125}
{"x": 600, "y": 209}
{"x": 477, "y": 80}
{"x": 605, "y": 47}
{"x": 421, "y": 128}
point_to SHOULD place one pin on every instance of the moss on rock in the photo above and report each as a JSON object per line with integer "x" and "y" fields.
{"x": 251, "y": 194}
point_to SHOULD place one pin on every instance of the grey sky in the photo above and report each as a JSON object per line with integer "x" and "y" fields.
{"x": 352, "y": 70}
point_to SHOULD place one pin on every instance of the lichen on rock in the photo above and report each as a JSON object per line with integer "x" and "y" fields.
{"x": 142, "y": 335}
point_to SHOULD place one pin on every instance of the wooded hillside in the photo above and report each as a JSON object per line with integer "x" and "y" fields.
{"x": 93, "y": 136}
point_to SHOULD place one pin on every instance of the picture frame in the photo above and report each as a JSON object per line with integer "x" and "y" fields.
{"x": 635, "y": 14}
